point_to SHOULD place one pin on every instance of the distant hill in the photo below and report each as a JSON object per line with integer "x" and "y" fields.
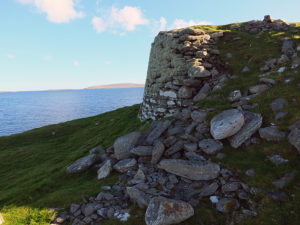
{"x": 120, "y": 85}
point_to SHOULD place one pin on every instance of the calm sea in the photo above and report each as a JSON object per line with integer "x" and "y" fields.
{"x": 22, "y": 111}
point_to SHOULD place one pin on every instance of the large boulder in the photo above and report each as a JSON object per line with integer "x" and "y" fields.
{"x": 163, "y": 211}
{"x": 82, "y": 164}
{"x": 104, "y": 170}
{"x": 124, "y": 144}
{"x": 190, "y": 169}
{"x": 226, "y": 124}
{"x": 271, "y": 133}
{"x": 138, "y": 197}
{"x": 253, "y": 122}
{"x": 294, "y": 138}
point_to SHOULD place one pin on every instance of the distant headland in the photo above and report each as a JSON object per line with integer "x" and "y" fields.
{"x": 120, "y": 85}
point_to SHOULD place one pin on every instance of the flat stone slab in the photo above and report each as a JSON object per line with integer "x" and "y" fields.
{"x": 253, "y": 122}
{"x": 294, "y": 138}
{"x": 190, "y": 169}
{"x": 142, "y": 150}
{"x": 163, "y": 211}
{"x": 124, "y": 165}
{"x": 210, "y": 146}
{"x": 82, "y": 164}
{"x": 124, "y": 144}
{"x": 226, "y": 124}
{"x": 271, "y": 133}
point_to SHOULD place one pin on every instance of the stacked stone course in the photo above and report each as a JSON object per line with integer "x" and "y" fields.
{"x": 181, "y": 62}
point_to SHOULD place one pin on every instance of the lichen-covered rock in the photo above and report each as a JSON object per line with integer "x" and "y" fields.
{"x": 124, "y": 144}
{"x": 190, "y": 169}
{"x": 163, "y": 211}
{"x": 226, "y": 124}
{"x": 253, "y": 122}
{"x": 82, "y": 164}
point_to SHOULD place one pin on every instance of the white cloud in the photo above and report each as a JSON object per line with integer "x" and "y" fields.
{"x": 127, "y": 19}
{"x": 163, "y": 23}
{"x": 10, "y": 56}
{"x": 180, "y": 23}
{"x": 76, "y": 63}
{"x": 107, "y": 62}
{"x": 58, "y": 11}
{"x": 47, "y": 58}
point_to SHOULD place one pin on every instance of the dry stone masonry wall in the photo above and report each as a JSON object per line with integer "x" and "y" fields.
{"x": 181, "y": 63}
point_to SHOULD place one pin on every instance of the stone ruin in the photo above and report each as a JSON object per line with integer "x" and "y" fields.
{"x": 181, "y": 63}
{"x": 184, "y": 66}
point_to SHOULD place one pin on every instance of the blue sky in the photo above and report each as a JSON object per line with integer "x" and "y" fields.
{"x": 71, "y": 44}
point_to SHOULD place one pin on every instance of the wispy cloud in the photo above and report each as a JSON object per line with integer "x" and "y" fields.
{"x": 10, "y": 56}
{"x": 58, "y": 11}
{"x": 76, "y": 63}
{"x": 126, "y": 19}
{"x": 107, "y": 62}
{"x": 180, "y": 23}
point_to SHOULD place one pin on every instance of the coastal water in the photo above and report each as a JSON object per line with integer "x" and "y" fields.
{"x": 22, "y": 111}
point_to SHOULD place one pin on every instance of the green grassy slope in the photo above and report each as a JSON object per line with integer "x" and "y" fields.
{"x": 32, "y": 165}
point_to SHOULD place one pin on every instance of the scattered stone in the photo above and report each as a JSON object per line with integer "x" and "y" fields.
{"x": 191, "y": 147}
{"x": 157, "y": 131}
{"x": 185, "y": 92}
{"x": 190, "y": 169}
{"x": 106, "y": 188}
{"x": 259, "y": 88}
{"x": 82, "y": 164}
{"x": 198, "y": 71}
{"x": 283, "y": 181}
{"x": 277, "y": 159}
{"x": 124, "y": 144}
{"x": 280, "y": 115}
{"x": 277, "y": 195}
{"x": 278, "y": 104}
{"x": 125, "y": 165}
{"x": 210, "y": 146}
{"x": 214, "y": 199}
{"x": 226, "y": 124}
{"x": 228, "y": 55}
{"x": 209, "y": 189}
{"x": 281, "y": 69}
{"x": 202, "y": 94}
{"x": 235, "y": 95}
{"x": 138, "y": 197}
{"x": 250, "y": 172}
{"x": 89, "y": 209}
{"x": 74, "y": 207}
{"x": 193, "y": 156}
{"x": 198, "y": 116}
{"x": 226, "y": 205}
{"x": 294, "y": 138}
{"x": 245, "y": 69}
{"x": 271, "y": 134}
{"x": 163, "y": 211}
{"x": 253, "y": 122}
{"x": 139, "y": 175}
{"x": 105, "y": 170}
{"x": 288, "y": 47}
{"x": 267, "y": 81}
{"x": 230, "y": 187}
{"x": 295, "y": 125}
{"x": 142, "y": 150}
{"x": 158, "y": 151}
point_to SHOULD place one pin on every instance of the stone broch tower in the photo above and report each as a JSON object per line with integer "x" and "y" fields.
{"x": 183, "y": 67}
